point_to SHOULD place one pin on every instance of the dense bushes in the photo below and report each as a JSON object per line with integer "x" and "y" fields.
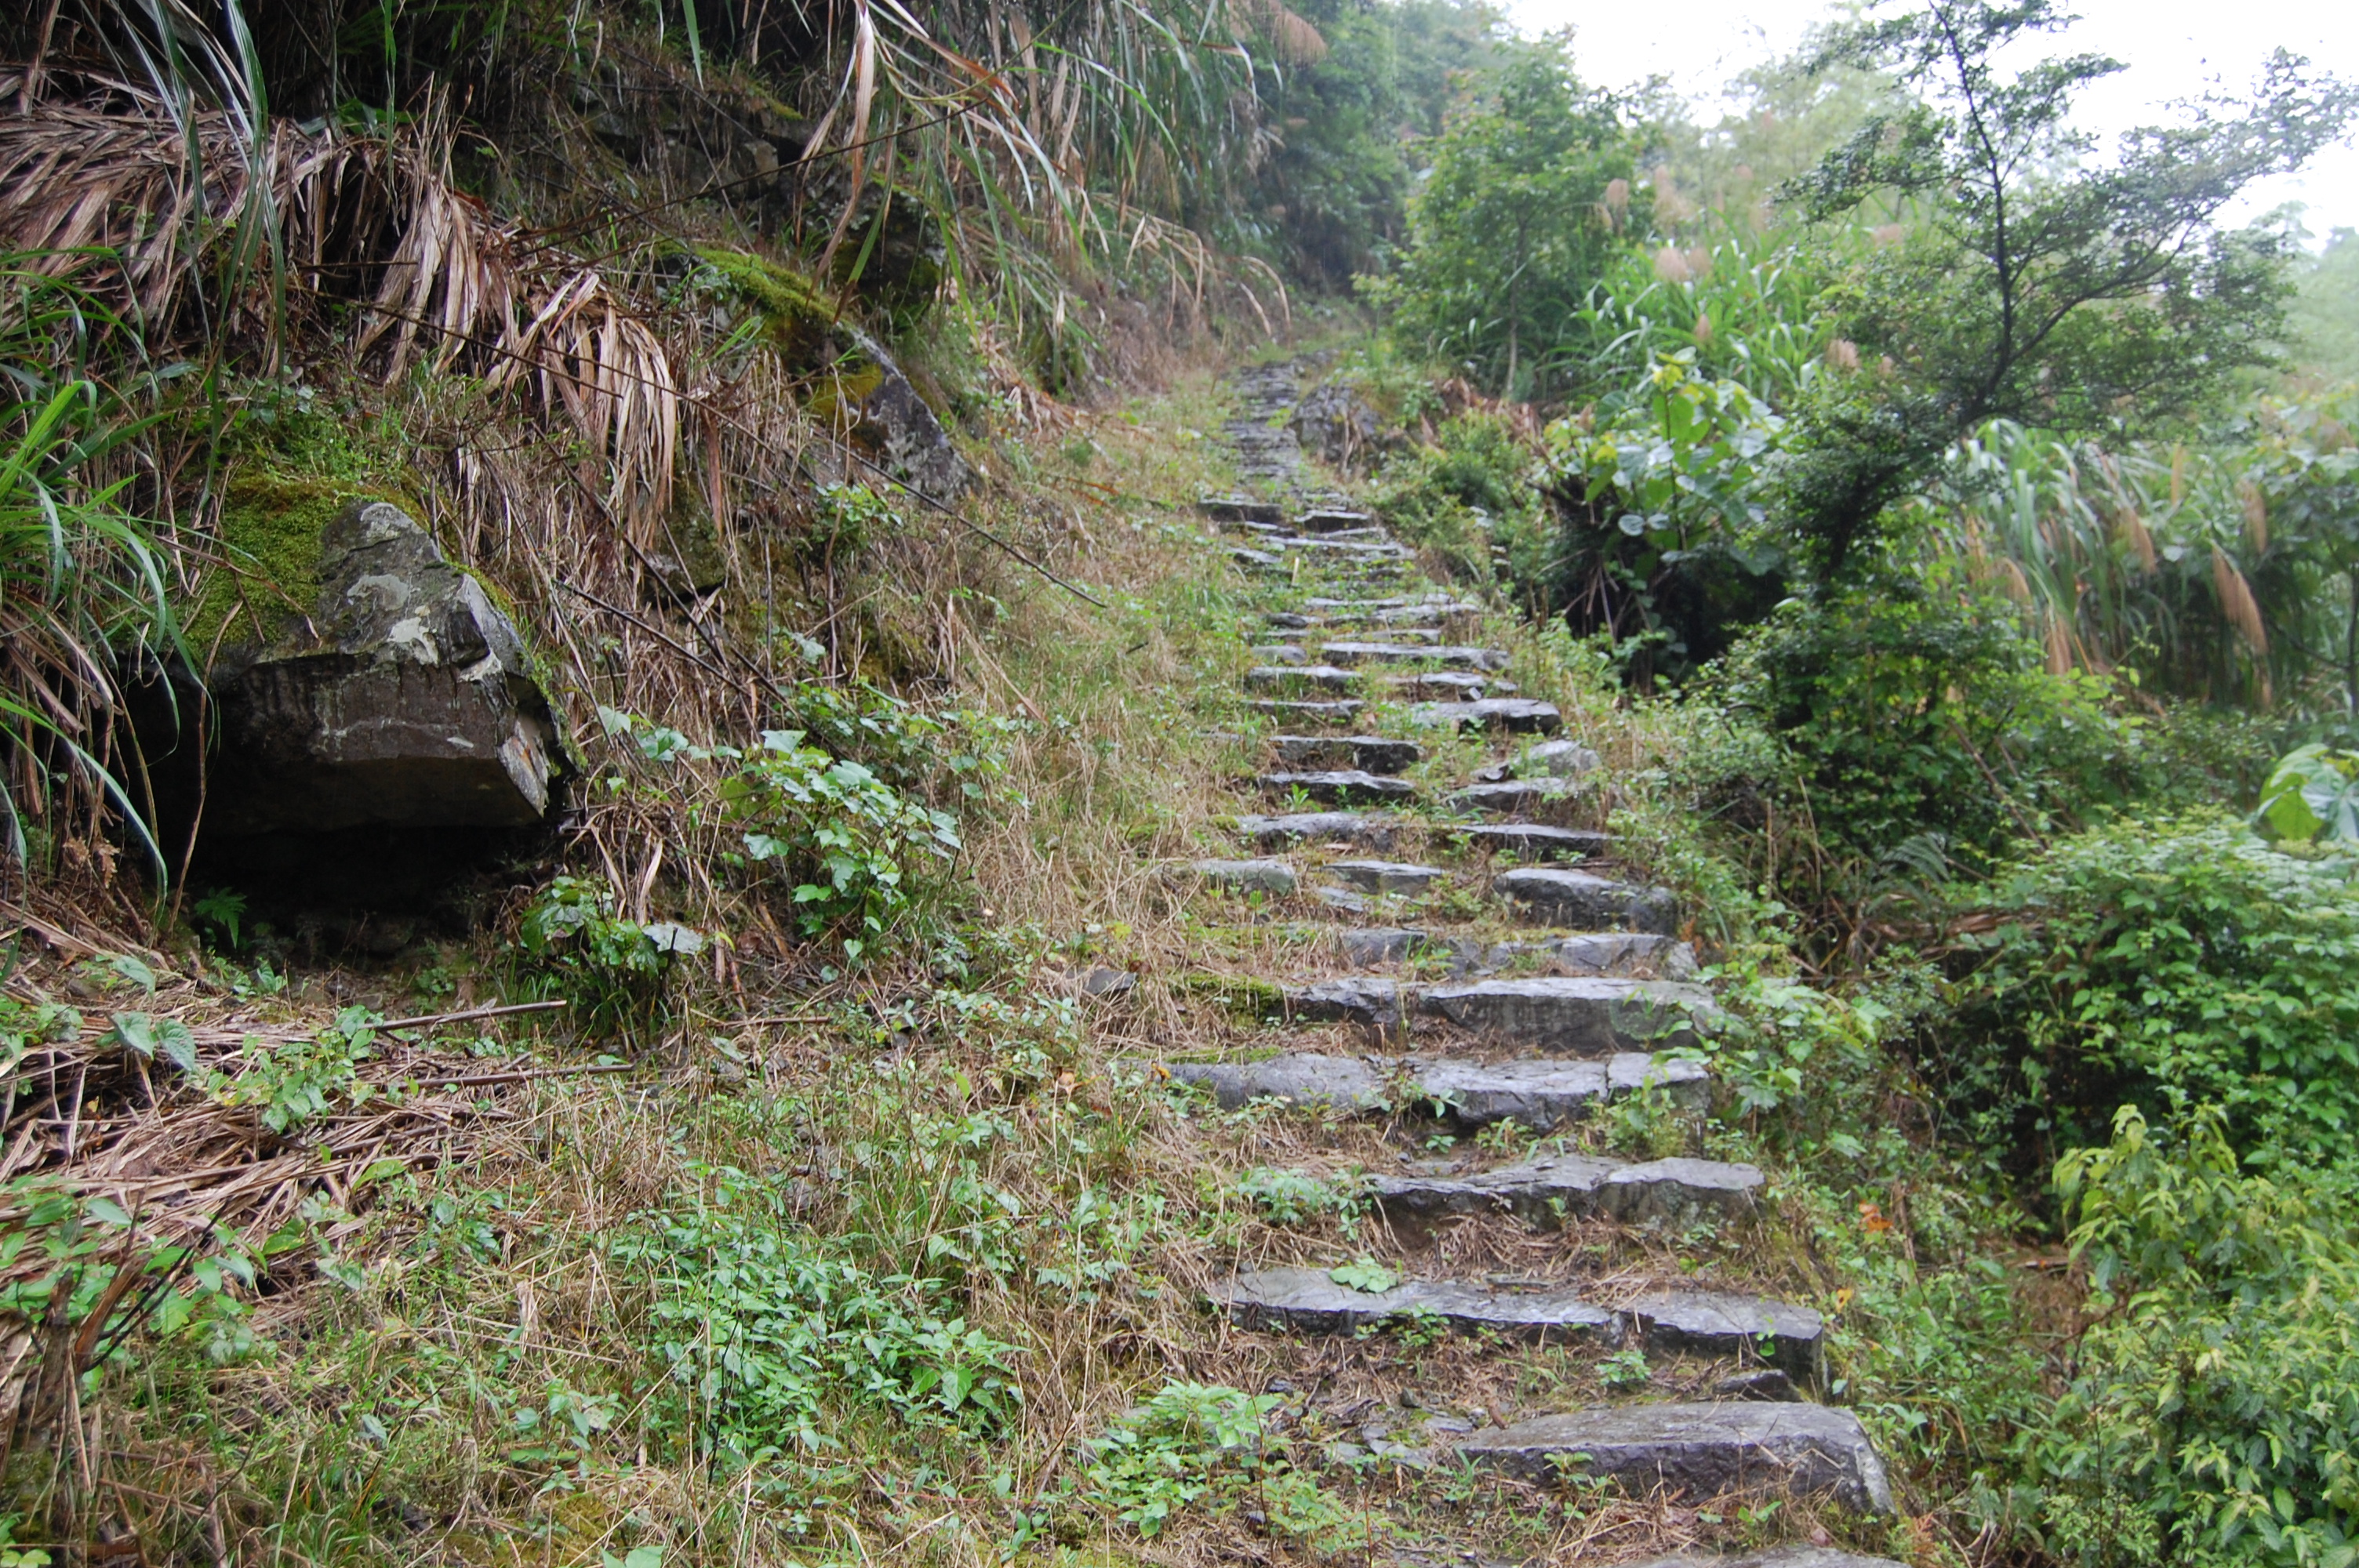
{"x": 2169, "y": 965}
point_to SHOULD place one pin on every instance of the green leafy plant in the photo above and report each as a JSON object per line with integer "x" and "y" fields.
{"x": 1188, "y": 1442}
{"x": 613, "y": 970}
{"x": 1364, "y": 1274}
{"x": 2313, "y": 793}
{"x": 1625, "y": 1370}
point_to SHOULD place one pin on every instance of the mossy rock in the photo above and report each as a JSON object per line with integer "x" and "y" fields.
{"x": 798, "y": 316}
{"x": 271, "y": 528}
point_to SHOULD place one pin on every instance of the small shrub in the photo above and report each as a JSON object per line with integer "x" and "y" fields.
{"x": 613, "y": 970}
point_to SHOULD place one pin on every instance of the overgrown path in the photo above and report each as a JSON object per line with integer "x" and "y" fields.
{"x": 1415, "y": 800}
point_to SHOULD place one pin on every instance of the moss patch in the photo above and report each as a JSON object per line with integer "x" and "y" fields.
{"x": 796, "y": 312}
{"x": 270, "y": 533}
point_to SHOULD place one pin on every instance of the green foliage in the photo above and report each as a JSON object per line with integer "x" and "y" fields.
{"x": 2172, "y": 965}
{"x": 1197, "y": 1444}
{"x": 296, "y": 1082}
{"x": 1291, "y": 1197}
{"x": 2313, "y": 792}
{"x": 1365, "y": 1274}
{"x": 1625, "y": 1370}
{"x": 2324, "y": 317}
{"x": 774, "y": 1338}
{"x": 2216, "y": 1400}
{"x": 1524, "y": 208}
{"x": 1468, "y": 497}
{"x": 612, "y": 968}
{"x": 2037, "y": 281}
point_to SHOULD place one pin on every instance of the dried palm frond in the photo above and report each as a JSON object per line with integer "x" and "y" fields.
{"x": 2243, "y": 612}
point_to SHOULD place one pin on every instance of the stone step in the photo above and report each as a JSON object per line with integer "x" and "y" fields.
{"x": 1489, "y": 660}
{"x": 1546, "y": 1192}
{"x": 1331, "y": 520}
{"x": 1559, "y": 759}
{"x": 1240, "y": 509}
{"x": 1537, "y": 841}
{"x": 1641, "y": 954}
{"x": 1516, "y": 715}
{"x": 1339, "y": 786}
{"x": 1280, "y": 653}
{"x": 1569, "y": 1015}
{"x": 1307, "y": 1300}
{"x": 1575, "y": 1015}
{"x": 1775, "y": 1557}
{"x": 1397, "y": 877}
{"x": 1538, "y": 1095}
{"x": 1561, "y": 896}
{"x": 1369, "y": 753}
{"x": 1296, "y": 677}
{"x": 1449, "y": 686}
{"x": 1246, "y": 556}
{"x": 1273, "y": 877}
{"x": 1285, "y": 620}
{"x": 1697, "y": 1451}
{"x": 1388, "y": 945}
{"x": 1317, "y": 827}
{"x": 1425, "y": 614}
{"x": 1340, "y": 712}
{"x": 1724, "y": 1323}
{"x": 1512, "y": 797}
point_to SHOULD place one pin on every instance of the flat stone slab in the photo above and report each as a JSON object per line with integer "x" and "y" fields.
{"x": 1565, "y": 897}
{"x": 1511, "y": 797}
{"x": 1240, "y": 509}
{"x": 1462, "y": 684}
{"x": 1339, "y": 786}
{"x": 1424, "y": 614}
{"x": 1280, "y": 653}
{"x": 1333, "y": 1083}
{"x": 1541, "y": 1095}
{"x": 1486, "y": 659}
{"x": 1331, "y": 520}
{"x": 1368, "y": 754}
{"x": 1309, "y": 1301}
{"x": 1380, "y": 945}
{"x": 1776, "y": 1557}
{"x": 1724, "y": 1323}
{"x": 1576, "y": 1014}
{"x": 1287, "y": 620}
{"x": 1537, "y": 840}
{"x": 1246, "y": 556}
{"x": 1698, "y": 1450}
{"x": 1546, "y": 1192}
{"x": 1286, "y": 675}
{"x": 1385, "y": 876}
{"x": 1273, "y": 877}
{"x": 1337, "y": 712}
{"x": 1640, "y": 955}
{"x": 1377, "y": 1003}
{"x": 1316, "y": 827}
{"x": 1515, "y": 715}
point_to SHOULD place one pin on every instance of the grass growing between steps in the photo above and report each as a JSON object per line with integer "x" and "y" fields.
{"x": 908, "y": 1267}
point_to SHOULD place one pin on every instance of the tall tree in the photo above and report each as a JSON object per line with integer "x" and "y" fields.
{"x": 2042, "y": 281}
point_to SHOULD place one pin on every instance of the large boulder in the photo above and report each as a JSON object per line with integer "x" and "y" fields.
{"x": 404, "y": 699}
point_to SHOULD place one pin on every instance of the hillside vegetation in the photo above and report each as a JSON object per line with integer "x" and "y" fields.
{"x": 1154, "y": 782}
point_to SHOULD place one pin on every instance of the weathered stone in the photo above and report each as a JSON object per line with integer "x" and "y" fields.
{"x": 1546, "y": 1192}
{"x": 1463, "y": 685}
{"x": 1369, "y": 753}
{"x": 1342, "y": 712}
{"x": 1339, "y": 786}
{"x": 1274, "y": 877}
{"x": 1286, "y": 622}
{"x": 1385, "y": 945}
{"x": 886, "y": 413}
{"x": 1241, "y": 509}
{"x": 1425, "y": 614}
{"x": 1769, "y": 1383}
{"x": 1109, "y": 984}
{"x": 1385, "y": 876}
{"x": 1542, "y": 1094}
{"x": 1583, "y": 898}
{"x": 1516, "y": 715}
{"x": 1511, "y": 798}
{"x": 1309, "y": 1301}
{"x": 405, "y": 699}
{"x": 1775, "y": 1557}
{"x": 1317, "y": 827}
{"x": 1332, "y": 520}
{"x": 1374, "y": 1002}
{"x": 1338, "y": 1083}
{"x": 1246, "y": 556}
{"x": 1341, "y": 899}
{"x": 1280, "y": 653}
{"x": 1356, "y": 606}
{"x": 1282, "y": 676}
{"x": 1640, "y": 955}
{"x": 1578, "y": 1015}
{"x": 1698, "y": 1450}
{"x": 1536, "y": 841}
{"x": 1722, "y": 1323}
{"x": 1486, "y": 659}
{"x": 1562, "y": 759}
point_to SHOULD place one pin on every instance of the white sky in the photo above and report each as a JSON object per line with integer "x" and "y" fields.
{"x": 2174, "y": 48}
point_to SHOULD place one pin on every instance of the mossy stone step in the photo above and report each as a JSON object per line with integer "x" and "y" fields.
{"x": 1537, "y": 840}
{"x": 1704, "y": 1450}
{"x": 1641, "y": 954}
{"x": 1448, "y": 686}
{"x": 1515, "y": 715}
{"x": 1331, "y": 520}
{"x": 1776, "y": 1557}
{"x": 1425, "y": 614}
{"x": 1397, "y": 877}
{"x": 1273, "y": 877}
{"x": 1561, "y": 896}
{"x": 1569, "y": 1015}
{"x": 1369, "y": 753}
{"x": 1320, "y": 1083}
{"x": 1339, "y": 786}
{"x": 1317, "y": 827}
{"x": 1241, "y": 509}
{"x": 1538, "y": 1095}
{"x": 1546, "y": 1192}
{"x": 1309, "y": 1301}
{"x": 1284, "y": 677}
{"x": 1512, "y": 797}
{"x": 1337, "y": 712}
{"x": 1727, "y": 1322}
{"x": 1488, "y": 660}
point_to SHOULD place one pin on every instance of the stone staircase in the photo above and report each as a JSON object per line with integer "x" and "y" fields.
{"x": 1437, "y": 1029}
